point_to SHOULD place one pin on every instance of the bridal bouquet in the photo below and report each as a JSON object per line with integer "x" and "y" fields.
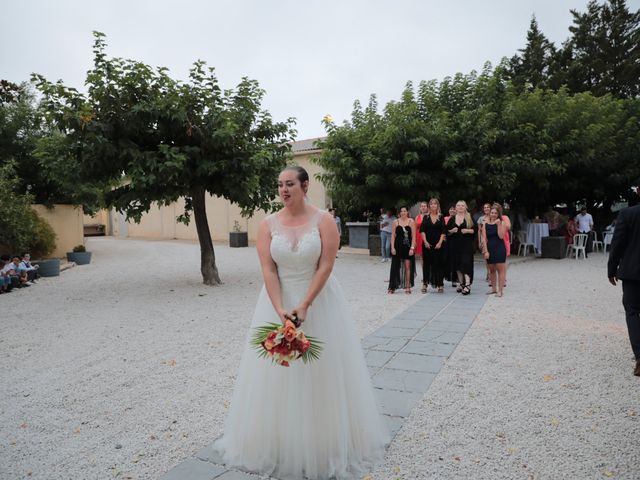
{"x": 285, "y": 343}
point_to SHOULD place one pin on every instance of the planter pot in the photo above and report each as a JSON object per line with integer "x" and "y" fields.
{"x": 48, "y": 268}
{"x": 374, "y": 246}
{"x": 238, "y": 239}
{"x": 553, "y": 247}
{"x": 79, "y": 258}
{"x": 358, "y": 234}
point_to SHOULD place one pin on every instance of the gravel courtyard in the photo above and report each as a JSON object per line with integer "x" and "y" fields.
{"x": 124, "y": 368}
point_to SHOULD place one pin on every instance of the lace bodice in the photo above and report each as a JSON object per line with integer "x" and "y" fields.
{"x": 295, "y": 250}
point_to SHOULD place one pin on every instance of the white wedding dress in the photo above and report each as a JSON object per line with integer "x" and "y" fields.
{"x": 317, "y": 420}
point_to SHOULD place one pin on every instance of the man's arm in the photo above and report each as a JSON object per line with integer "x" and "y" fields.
{"x": 618, "y": 247}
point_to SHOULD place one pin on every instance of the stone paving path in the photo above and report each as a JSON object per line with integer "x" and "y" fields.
{"x": 403, "y": 356}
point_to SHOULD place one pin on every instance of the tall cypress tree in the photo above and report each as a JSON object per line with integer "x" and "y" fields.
{"x": 533, "y": 65}
{"x": 605, "y": 50}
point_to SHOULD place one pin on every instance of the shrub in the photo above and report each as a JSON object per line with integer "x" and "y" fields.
{"x": 79, "y": 248}
{"x": 21, "y": 229}
{"x": 43, "y": 241}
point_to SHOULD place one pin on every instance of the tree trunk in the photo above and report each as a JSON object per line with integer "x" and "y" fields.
{"x": 207, "y": 255}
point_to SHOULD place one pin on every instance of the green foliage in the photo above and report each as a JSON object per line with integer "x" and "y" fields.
{"x": 42, "y": 164}
{"x": 21, "y": 229}
{"x": 480, "y": 138}
{"x": 79, "y": 248}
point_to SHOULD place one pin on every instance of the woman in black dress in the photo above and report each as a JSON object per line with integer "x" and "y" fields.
{"x": 495, "y": 251}
{"x": 461, "y": 233}
{"x": 403, "y": 260}
{"x": 433, "y": 233}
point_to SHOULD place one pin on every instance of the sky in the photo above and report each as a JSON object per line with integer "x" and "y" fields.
{"x": 313, "y": 58}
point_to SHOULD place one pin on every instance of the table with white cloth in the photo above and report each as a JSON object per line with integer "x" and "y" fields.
{"x": 535, "y": 232}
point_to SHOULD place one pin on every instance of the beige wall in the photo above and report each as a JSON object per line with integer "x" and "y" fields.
{"x": 160, "y": 222}
{"x": 67, "y": 222}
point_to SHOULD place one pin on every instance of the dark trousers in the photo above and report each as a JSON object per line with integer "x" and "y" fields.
{"x": 631, "y": 303}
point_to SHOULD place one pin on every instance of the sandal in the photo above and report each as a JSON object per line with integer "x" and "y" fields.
{"x": 466, "y": 290}
{"x": 459, "y": 289}
{"x": 407, "y": 291}
{"x": 391, "y": 291}
{"x": 424, "y": 289}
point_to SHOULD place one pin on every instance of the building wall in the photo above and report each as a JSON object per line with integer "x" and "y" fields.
{"x": 100, "y": 218}
{"x": 67, "y": 222}
{"x": 160, "y": 222}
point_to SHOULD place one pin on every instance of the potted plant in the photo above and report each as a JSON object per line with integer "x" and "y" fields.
{"x": 79, "y": 256}
{"x": 238, "y": 238}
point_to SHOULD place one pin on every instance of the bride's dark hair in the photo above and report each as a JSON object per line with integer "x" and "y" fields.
{"x": 303, "y": 176}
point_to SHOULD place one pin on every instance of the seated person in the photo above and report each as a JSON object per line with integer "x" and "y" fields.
{"x": 32, "y": 271}
{"x": 5, "y": 282}
{"x": 6, "y": 266}
{"x": 18, "y": 277}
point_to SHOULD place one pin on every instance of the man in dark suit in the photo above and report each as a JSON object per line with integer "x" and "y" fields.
{"x": 624, "y": 264}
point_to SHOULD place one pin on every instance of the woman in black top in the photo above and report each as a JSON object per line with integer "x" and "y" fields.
{"x": 403, "y": 264}
{"x": 433, "y": 233}
{"x": 461, "y": 233}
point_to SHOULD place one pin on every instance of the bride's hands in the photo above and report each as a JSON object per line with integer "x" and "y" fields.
{"x": 300, "y": 312}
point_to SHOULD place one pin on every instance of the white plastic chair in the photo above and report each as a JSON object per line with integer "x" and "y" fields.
{"x": 596, "y": 245}
{"x": 607, "y": 241}
{"x": 579, "y": 245}
{"x": 524, "y": 244}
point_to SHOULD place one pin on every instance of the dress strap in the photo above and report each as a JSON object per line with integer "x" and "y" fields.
{"x": 315, "y": 219}
{"x": 272, "y": 221}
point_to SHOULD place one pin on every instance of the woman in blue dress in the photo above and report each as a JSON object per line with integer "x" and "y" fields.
{"x": 495, "y": 251}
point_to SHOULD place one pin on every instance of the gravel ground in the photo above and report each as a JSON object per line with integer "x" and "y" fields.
{"x": 541, "y": 387}
{"x": 124, "y": 367}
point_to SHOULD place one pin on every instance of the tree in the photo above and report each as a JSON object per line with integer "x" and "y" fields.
{"x": 478, "y": 137}
{"x": 605, "y": 50}
{"x": 157, "y": 139}
{"x": 601, "y": 56}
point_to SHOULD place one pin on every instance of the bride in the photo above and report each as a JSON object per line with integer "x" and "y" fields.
{"x": 317, "y": 420}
